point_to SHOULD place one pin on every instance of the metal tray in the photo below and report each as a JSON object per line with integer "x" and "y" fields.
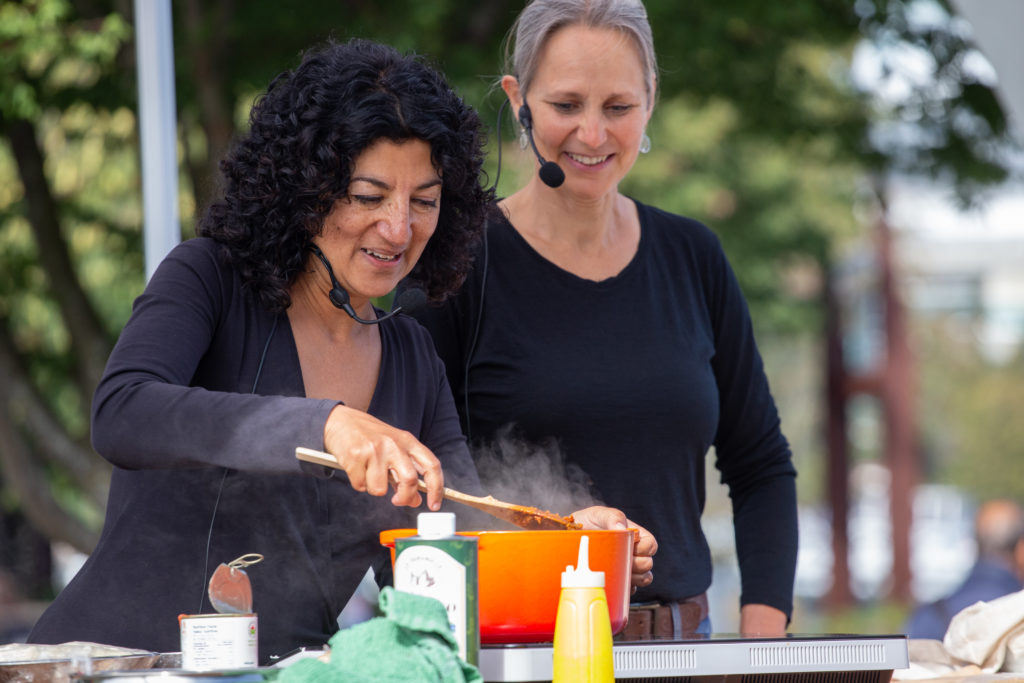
{"x": 61, "y": 670}
{"x": 180, "y": 676}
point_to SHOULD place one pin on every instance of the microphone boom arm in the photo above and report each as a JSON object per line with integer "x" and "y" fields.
{"x": 339, "y": 297}
{"x": 550, "y": 173}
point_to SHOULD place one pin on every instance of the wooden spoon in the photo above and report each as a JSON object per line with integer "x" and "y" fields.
{"x": 520, "y": 515}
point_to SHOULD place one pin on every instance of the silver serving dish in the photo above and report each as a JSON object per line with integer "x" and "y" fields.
{"x": 61, "y": 670}
{"x": 180, "y": 676}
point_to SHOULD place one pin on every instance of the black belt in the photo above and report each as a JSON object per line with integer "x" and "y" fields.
{"x": 665, "y": 619}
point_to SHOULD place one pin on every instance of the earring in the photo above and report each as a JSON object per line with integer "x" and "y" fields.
{"x": 645, "y": 144}
{"x": 524, "y": 140}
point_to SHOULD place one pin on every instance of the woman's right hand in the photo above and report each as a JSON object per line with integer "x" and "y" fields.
{"x": 374, "y": 455}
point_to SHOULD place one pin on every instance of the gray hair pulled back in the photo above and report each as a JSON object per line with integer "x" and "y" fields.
{"x": 540, "y": 19}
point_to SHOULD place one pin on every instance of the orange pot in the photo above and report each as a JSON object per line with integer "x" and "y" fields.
{"x": 520, "y": 577}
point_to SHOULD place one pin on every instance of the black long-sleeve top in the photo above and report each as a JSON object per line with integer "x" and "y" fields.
{"x": 637, "y": 377}
{"x": 200, "y": 410}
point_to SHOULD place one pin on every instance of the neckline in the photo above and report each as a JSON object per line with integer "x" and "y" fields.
{"x": 569, "y": 276}
{"x": 387, "y": 342}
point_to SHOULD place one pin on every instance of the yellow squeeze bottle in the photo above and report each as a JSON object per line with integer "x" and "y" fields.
{"x": 583, "y": 629}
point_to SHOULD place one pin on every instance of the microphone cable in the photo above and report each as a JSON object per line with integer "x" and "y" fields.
{"x": 339, "y": 297}
{"x": 551, "y": 174}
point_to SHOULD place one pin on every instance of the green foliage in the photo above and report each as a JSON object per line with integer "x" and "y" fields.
{"x": 871, "y": 618}
{"x": 45, "y": 52}
{"x": 758, "y": 132}
{"x": 56, "y": 70}
{"x": 971, "y": 408}
{"x": 92, "y": 161}
{"x": 950, "y": 124}
{"x": 795, "y": 365}
{"x": 778, "y": 208}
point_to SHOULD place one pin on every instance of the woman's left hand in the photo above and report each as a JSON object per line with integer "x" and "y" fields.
{"x": 644, "y": 543}
{"x": 762, "y": 620}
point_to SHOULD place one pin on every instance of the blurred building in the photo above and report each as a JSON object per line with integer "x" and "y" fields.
{"x": 942, "y": 545}
{"x": 964, "y": 265}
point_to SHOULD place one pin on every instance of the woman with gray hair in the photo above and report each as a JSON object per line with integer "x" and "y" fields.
{"x": 630, "y": 342}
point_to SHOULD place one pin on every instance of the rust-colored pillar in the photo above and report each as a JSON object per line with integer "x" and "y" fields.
{"x": 839, "y": 595}
{"x": 891, "y": 381}
{"x": 900, "y": 428}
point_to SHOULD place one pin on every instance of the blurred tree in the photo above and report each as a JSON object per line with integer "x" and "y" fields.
{"x": 974, "y": 438}
{"x": 53, "y": 339}
{"x": 759, "y": 132}
{"x": 936, "y": 113}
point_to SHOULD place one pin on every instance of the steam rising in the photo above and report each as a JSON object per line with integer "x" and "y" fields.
{"x": 517, "y": 471}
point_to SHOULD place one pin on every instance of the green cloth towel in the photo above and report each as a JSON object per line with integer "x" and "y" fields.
{"x": 412, "y": 641}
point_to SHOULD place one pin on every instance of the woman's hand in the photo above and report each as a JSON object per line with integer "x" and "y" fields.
{"x": 762, "y": 620}
{"x": 644, "y": 543}
{"x": 374, "y": 455}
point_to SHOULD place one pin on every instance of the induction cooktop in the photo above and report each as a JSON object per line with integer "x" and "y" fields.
{"x": 721, "y": 658}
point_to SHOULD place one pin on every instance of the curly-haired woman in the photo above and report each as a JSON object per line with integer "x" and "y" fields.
{"x": 359, "y": 167}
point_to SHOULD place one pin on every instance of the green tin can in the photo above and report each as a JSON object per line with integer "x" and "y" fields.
{"x": 440, "y": 564}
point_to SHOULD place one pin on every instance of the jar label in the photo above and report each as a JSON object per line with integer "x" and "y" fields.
{"x": 429, "y": 571}
{"x": 218, "y": 641}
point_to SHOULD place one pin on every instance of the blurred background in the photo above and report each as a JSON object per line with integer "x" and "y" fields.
{"x": 860, "y": 159}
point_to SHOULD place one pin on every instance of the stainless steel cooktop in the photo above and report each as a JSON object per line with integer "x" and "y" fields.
{"x": 722, "y": 658}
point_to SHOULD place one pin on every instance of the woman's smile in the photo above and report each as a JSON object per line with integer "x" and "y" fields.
{"x": 588, "y": 160}
{"x": 382, "y": 256}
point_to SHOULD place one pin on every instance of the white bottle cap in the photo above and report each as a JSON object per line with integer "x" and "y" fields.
{"x": 582, "y": 576}
{"x": 435, "y": 524}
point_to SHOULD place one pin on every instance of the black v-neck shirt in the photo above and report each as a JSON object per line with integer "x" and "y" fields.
{"x": 636, "y": 377}
{"x": 205, "y": 469}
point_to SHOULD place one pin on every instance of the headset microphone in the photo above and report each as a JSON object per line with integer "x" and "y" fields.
{"x": 410, "y": 300}
{"x": 339, "y": 297}
{"x": 549, "y": 173}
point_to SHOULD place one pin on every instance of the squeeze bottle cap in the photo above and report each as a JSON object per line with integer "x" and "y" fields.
{"x": 435, "y": 524}
{"x": 582, "y": 576}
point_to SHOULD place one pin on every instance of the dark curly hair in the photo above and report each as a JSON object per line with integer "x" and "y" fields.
{"x": 283, "y": 177}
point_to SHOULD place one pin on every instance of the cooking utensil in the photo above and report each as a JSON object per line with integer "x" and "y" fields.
{"x": 519, "y": 577}
{"x": 32, "y": 663}
{"x": 61, "y": 670}
{"x": 520, "y": 515}
{"x": 229, "y": 590}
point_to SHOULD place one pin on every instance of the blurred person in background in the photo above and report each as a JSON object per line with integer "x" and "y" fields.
{"x": 619, "y": 330}
{"x": 998, "y": 571}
